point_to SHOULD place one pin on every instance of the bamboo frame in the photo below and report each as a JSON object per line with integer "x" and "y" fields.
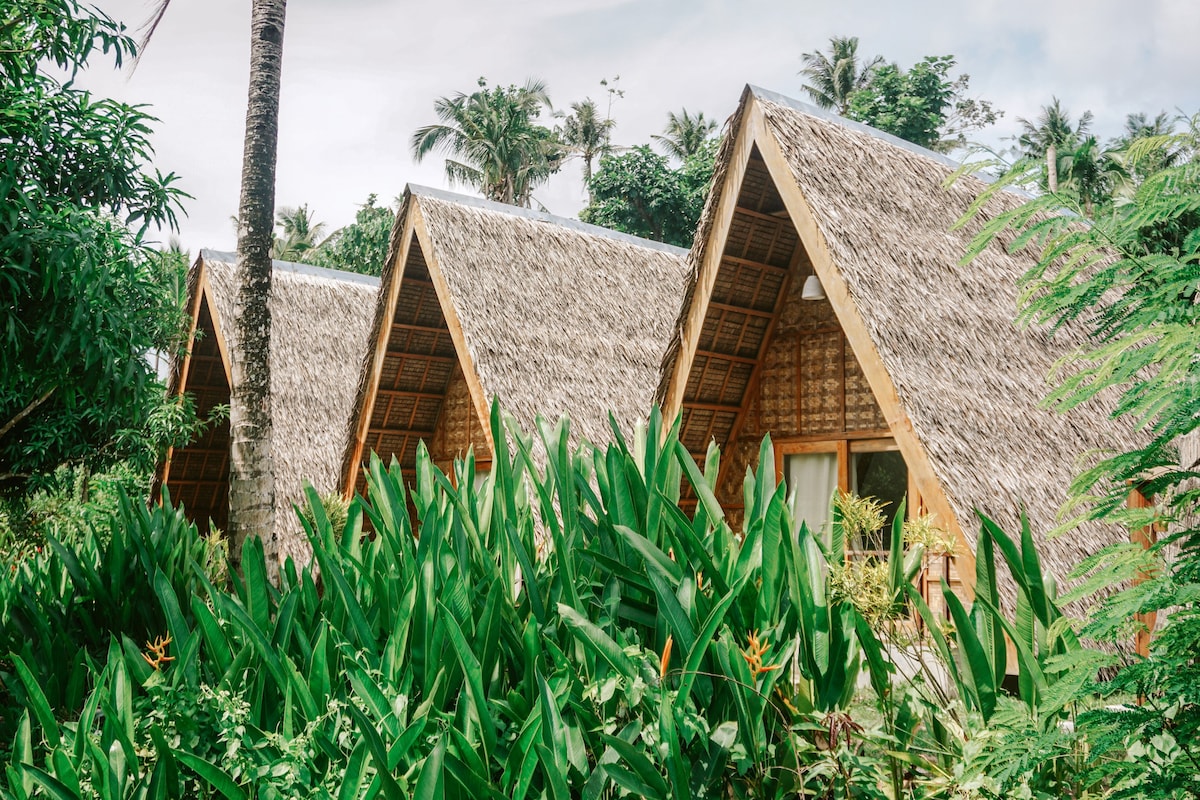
{"x": 450, "y": 313}
{"x": 203, "y": 299}
{"x": 382, "y": 334}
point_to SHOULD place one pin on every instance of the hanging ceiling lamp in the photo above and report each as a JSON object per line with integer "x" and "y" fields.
{"x": 813, "y": 290}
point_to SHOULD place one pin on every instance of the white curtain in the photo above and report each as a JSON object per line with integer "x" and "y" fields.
{"x": 811, "y": 479}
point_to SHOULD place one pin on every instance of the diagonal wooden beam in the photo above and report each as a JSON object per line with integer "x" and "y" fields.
{"x": 859, "y": 337}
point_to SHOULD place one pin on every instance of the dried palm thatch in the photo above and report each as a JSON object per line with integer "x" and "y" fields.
{"x": 549, "y": 315}
{"x": 875, "y": 217}
{"x": 319, "y": 324}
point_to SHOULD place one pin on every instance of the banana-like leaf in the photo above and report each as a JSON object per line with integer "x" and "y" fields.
{"x": 695, "y": 656}
{"x": 431, "y": 782}
{"x": 649, "y": 782}
{"x": 598, "y": 641}
{"x": 980, "y": 675}
{"x": 213, "y": 775}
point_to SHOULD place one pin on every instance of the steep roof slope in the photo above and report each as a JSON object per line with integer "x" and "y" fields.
{"x": 319, "y": 324}
{"x": 878, "y": 212}
{"x": 550, "y": 315}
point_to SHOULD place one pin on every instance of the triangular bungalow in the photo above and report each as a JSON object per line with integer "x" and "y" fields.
{"x": 482, "y": 300}
{"x": 827, "y": 307}
{"x": 319, "y": 324}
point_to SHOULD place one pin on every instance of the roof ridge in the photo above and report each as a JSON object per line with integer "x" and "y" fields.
{"x": 340, "y": 275}
{"x": 542, "y": 216}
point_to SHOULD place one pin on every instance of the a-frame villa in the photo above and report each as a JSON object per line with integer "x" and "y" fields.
{"x": 482, "y": 300}
{"x": 827, "y": 307}
{"x": 319, "y": 325}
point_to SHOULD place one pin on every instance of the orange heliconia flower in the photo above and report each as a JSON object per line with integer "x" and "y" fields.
{"x": 158, "y": 652}
{"x": 753, "y": 654}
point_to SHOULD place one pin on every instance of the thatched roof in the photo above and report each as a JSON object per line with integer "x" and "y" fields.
{"x": 550, "y": 315}
{"x": 319, "y": 324}
{"x": 875, "y": 218}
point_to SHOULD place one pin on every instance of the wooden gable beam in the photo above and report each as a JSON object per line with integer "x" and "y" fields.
{"x": 380, "y": 337}
{"x": 203, "y": 298}
{"x": 693, "y": 324}
{"x": 919, "y": 464}
{"x": 478, "y": 397}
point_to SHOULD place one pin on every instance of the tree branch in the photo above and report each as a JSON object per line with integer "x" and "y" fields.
{"x": 25, "y": 412}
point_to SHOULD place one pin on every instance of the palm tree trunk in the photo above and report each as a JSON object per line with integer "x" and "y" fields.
{"x": 251, "y": 472}
{"x": 1052, "y": 168}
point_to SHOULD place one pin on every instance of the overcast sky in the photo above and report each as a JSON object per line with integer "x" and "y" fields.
{"x": 359, "y": 76}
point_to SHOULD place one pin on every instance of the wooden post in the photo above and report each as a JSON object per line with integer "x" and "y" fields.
{"x": 1145, "y": 537}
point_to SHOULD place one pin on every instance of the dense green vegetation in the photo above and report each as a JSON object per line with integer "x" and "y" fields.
{"x": 923, "y": 105}
{"x": 626, "y": 649}
{"x": 86, "y": 298}
{"x": 638, "y": 192}
{"x": 560, "y": 627}
{"x": 1129, "y": 277}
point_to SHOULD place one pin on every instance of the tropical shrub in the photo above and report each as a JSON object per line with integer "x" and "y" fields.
{"x": 558, "y": 627}
{"x": 546, "y": 630}
{"x": 1128, "y": 280}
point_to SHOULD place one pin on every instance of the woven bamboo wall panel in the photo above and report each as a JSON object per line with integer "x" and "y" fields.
{"x": 458, "y": 428}
{"x": 820, "y": 357}
{"x": 777, "y": 398}
{"x": 735, "y": 461}
{"x": 862, "y": 410}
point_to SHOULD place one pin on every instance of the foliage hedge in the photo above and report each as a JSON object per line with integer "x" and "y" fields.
{"x": 558, "y": 627}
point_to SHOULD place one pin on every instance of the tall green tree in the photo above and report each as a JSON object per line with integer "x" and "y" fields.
{"x": 685, "y": 135}
{"x": 923, "y": 105}
{"x": 1092, "y": 173}
{"x": 84, "y": 298}
{"x": 1139, "y": 127}
{"x": 362, "y": 245}
{"x": 639, "y": 193}
{"x": 494, "y": 140}
{"x": 586, "y": 135}
{"x": 1050, "y": 134}
{"x": 831, "y": 78}
{"x": 1128, "y": 281}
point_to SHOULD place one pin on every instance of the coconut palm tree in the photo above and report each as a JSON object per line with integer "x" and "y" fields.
{"x": 1147, "y": 146}
{"x": 1051, "y": 134}
{"x": 1093, "y": 173}
{"x": 251, "y": 471}
{"x": 584, "y": 134}
{"x": 493, "y": 139}
{"x": 301, "y": 234}
{"x": 685, "y": 135}
{"x": 831, "y": 78}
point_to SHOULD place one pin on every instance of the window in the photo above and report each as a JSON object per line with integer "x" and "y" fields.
{"x": 883, "y": 476}
{"x": 867, "y": 467}
{"x": 811, "y": 479}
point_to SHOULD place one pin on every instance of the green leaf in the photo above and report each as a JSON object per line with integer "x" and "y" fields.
{"x": 474, "y": 681}
{"x": 598, "y": 641}
{"x": 212, "y": 774}
{"x": 651, "y": 783}
{"x": 981, "y": 676}
{"x": 691, "y": 667}
{"x": 431, "y": 781}
{"x": 37, "y": 702}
